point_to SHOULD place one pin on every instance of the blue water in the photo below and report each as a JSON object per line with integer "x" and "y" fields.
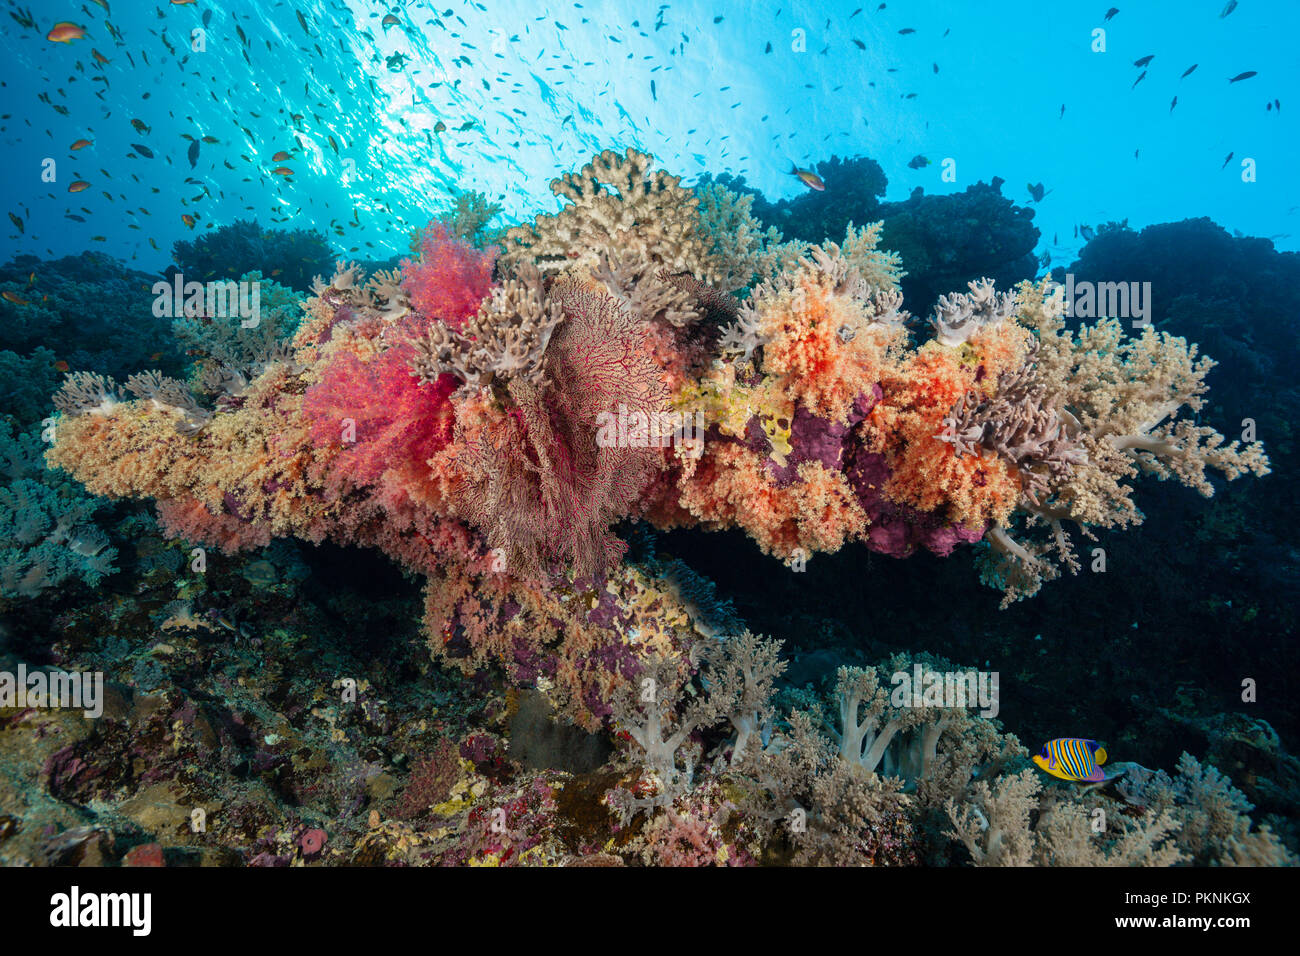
{"x": 545, "y": 86}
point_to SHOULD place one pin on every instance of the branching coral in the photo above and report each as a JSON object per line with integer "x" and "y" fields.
{"x": 468, "y": 219}
{"x": 1020, "y": 425}
{"x": 628, "y": 224}
{"x": 504, "y": 340}
{"x": 858, "y": 819}
{"x": 958, "y": 317}
{"x": 897, "y": 731}
{"x": 995, "y": 826}
{"x": 650, "y": 712}
{"x": 1210, "y": 813}
{"x": 994, "y": 823}
{"x": 234, "y": 344}
{"x": 88, "y": 393}
{"x": 1118, "y": 399}
{"x": 745, "y": 249}
{"x": 617, "y": 207}
{"x": 169, "y": 396}
{"x": 742, "y": 672}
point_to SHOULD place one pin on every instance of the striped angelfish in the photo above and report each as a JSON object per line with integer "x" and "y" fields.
{"x": 1073, "y": 758}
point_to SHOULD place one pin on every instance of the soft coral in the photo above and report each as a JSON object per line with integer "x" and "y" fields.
{"x": 399, "y": 420}
{"x": 450, "y": 278}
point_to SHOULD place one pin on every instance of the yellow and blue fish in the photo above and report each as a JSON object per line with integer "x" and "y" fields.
{"x": 1073, "y": 758}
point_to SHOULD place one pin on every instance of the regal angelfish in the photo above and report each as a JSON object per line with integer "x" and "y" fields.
{"x": 1073, "y": 758}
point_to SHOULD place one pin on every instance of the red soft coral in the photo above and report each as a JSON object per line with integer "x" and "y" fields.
{"x": 450, "y": 278}
{"x": 399, "y": 422}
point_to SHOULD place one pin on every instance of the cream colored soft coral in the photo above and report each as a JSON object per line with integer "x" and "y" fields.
{"x": 1123, "y": 397}
{"x": 504, "y": 340}
{"x": 1120, "y": 398}
{"x": 627, "y": 225}
{"x": 619, "y": 207}
{"x": 745, "y": 249}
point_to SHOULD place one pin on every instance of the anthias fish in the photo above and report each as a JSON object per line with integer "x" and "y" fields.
{"x": 808, "y": 178}
{"x": 65, "y": 32}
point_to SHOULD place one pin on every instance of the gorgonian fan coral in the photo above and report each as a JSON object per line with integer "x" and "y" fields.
{"x": 489, "y": 431}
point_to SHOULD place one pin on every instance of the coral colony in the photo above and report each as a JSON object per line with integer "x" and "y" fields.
{"x": 497, "y": 412}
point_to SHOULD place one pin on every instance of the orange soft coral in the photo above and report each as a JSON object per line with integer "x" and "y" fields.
{"x": 730, "y": 486}
{"x": 925, "y": 472}
{"x": 821, "y": 347}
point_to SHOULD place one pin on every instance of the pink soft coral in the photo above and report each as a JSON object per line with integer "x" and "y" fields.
{"x": 450, "y": 278}
{"x": 399, "y": 421}
{"x": 187, "y": 518}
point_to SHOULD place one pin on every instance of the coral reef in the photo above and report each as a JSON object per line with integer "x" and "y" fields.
{"x": 47, "y": 532}
{"x": 291, "y": 257}
{"x": 497, "y": 423}
{"x": 397, "y": 418}
{"x": 47, "y": 305}
{"x": 946, "y": 241}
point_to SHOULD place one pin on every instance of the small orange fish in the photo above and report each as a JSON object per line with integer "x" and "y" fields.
{"x": 13, "y": 297}
{"x": 78, "y": 186}
{"x": 808, "y": 178}
{"x": 140, "y": 127}
{"x": 280, "y": 157}
{"x": 389, "y": 21}
{"x": 187, "y": 219}
{"x": 98, "y": 57}
{"x": 282, "y": 171}
{"x": 82, "y": 144}
{"x": 210, "y": 139}
{"x": 65, "y": 32}
{"x": 61, "y": 366}
{"x": 440, "y": 127}
{"x": 155, "y": 357}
